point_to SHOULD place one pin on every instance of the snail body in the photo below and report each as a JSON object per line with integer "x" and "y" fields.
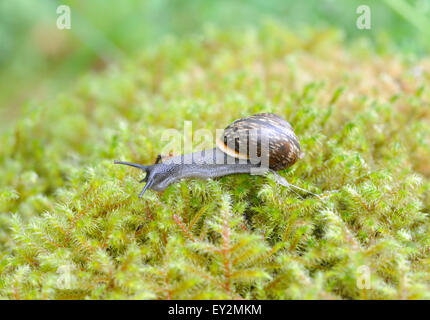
{"x": 262, "y": 141}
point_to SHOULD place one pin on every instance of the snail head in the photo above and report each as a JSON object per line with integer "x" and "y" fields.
{"x": 150, "y": 174}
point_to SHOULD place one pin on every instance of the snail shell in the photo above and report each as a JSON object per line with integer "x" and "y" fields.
{"x": 243, "y": 139}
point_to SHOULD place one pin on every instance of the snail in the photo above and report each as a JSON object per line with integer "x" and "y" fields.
{"x": 262, "y": 141}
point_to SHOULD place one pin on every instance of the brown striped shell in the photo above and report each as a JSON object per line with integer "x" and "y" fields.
{"x": 247, "y": 137}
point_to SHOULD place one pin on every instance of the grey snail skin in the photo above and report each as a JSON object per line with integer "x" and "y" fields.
{"x": 262, "y": 141}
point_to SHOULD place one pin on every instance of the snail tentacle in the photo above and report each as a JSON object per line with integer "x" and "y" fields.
{"x": 140, "y": 166}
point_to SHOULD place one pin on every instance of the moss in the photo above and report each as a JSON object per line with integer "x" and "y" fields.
{"x": 71, "y": 225}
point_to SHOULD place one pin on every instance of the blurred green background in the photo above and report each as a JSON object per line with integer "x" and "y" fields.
{"x": 37, "y": 59}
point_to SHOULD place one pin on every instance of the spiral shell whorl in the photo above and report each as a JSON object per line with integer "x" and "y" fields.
{"x": 284, "y": 147}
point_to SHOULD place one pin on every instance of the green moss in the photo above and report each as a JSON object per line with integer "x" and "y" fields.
{"x": 71, "y": 225}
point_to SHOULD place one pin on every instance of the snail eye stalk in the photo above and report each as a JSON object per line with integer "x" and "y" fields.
{"x": 147, "y": 185}
{"x": 140, "y": 166}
